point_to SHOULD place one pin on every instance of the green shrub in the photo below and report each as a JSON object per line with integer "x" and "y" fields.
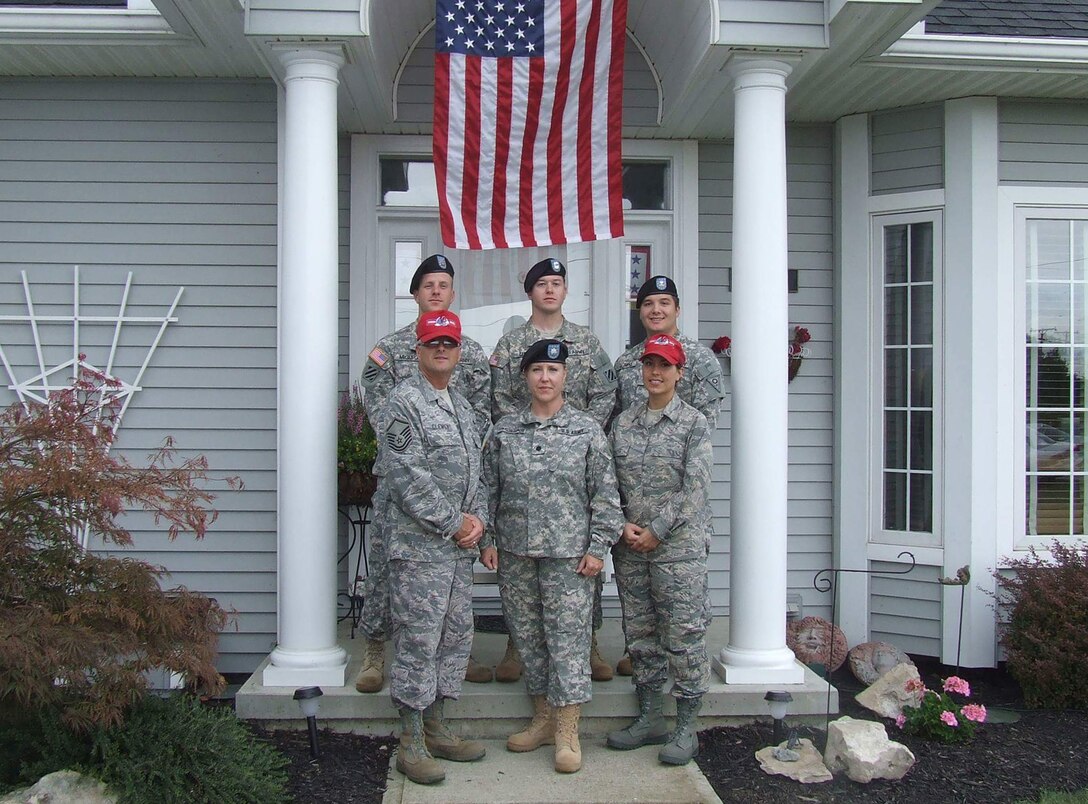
{"x": 1046, "y": 636}
{"x": 167, "y": 751}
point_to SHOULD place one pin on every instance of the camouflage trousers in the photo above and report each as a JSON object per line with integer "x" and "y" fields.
{"x": 547, "y": 606}
{"x": 374, "y": 619}
{"x": 430, "y": 604}
{"x": 664, "y": 622}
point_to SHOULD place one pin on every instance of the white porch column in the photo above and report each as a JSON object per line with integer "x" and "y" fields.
{"x": 757, "y": 652}
{"x": 307, "y": 653}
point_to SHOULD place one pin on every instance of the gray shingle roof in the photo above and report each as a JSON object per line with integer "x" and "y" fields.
{"x": 1065, "y": 19}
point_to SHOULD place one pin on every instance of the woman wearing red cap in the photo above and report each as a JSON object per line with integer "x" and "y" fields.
{"x": 663, "y": 462}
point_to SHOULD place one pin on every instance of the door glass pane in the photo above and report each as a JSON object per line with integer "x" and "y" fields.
{"x": 895, "y": 254}
{"x": 407, "y": 255}
{"x": 407, "y": 183}
{"x": 645, "y": 185}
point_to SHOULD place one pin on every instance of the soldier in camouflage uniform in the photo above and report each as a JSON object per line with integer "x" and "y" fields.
{"x": 555, "y": 508}
{"x": 436, "y": 517}
{"x": 658, "y": 304}
{"x": 663, "y": 461}
{"x": 391, "y": 362}
{"x": 590, "y": 386}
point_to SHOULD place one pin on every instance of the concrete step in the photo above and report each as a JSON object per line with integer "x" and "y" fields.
{"x": 496, "y": 710}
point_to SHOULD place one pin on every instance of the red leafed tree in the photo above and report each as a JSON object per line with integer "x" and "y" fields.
{"x": 79, "y": 629}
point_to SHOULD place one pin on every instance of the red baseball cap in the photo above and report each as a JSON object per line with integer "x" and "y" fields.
{"x": 665, "y": 346}
{"x": 438, "y": 324}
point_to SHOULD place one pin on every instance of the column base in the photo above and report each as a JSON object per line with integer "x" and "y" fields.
{"x": 311, "y": 668}
{"x": 738, "y": 666}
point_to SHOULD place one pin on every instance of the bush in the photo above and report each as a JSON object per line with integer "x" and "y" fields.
{"x": 1046, "y": 636}
{"x": 79, "y": 630}
{"x": 168, "y": 751}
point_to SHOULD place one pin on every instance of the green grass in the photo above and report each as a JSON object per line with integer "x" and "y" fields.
{"x": 1049, "y": 797}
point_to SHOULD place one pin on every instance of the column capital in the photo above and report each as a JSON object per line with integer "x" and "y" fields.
{"x": 321, "y": 60}
{"x": 757, "y": 69}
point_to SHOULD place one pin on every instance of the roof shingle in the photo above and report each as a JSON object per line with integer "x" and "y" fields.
{"x": 1064, "y": 19}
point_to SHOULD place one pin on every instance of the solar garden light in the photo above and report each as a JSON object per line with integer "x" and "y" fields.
{"x": 309, "y": 701}
{"x": 779, "y": 704}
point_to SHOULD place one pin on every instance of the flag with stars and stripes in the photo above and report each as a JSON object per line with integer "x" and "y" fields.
{"x": 528, "y": 98}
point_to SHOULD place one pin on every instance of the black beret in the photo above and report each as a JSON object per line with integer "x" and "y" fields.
{"x": 546, "y": 351}
{"x": 435, "y": 264}
{"x": 550, "y": 266}
{"x": 657, "y": 285}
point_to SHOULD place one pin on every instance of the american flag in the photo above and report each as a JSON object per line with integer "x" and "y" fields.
{"x": 527, "y": 117}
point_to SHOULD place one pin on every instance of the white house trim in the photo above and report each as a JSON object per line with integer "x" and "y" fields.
{"x": 941, "y": 51}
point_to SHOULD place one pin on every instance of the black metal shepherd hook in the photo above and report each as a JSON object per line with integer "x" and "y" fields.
{"x": 825, "y": 581}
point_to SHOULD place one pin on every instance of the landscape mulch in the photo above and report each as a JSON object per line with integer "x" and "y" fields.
{"x": 1007, "y": 762}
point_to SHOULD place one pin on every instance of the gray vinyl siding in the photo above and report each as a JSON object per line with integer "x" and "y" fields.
{"x": 808, "y": 154}
{"x": 905, "y": 610}
{"x": 175, "y": 182}
{"x": 772, "y": 23}
{"x": 1043, "y": 143}
{"x": 907, "y": 147}
{"x": 415, "y": 92}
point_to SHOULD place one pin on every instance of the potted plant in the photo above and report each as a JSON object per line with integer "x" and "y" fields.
{"x": 723, "y": 347}
{"x": 356, "y": 447}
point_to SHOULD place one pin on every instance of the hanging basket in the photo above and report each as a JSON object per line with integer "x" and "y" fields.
{"x": 794, "y": 366}
{"x": 355, "y": 488}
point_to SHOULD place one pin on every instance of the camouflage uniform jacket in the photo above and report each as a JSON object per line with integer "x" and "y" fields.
{"x": 701, "y": 387}
{"x": 552, "y": 486}
{"x": 393, "y": 360}
{"x": 591, "y": 382}
{"x": 433, "y": 472}
{"x": 664, "y": 476}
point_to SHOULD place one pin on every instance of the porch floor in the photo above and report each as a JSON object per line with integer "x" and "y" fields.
{"x": 496, "y": 710}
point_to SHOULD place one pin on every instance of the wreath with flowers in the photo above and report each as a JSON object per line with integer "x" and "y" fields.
{"x": 796, "y": 352}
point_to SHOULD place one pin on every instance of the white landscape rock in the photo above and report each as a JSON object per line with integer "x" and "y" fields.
{"x": 863, "y": 750}
{"x": 888, "y": 694}
{"x": 809, "y": 769}
{"x": 62, "y": 787}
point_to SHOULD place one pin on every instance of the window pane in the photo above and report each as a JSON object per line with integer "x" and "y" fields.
{"x": 921, "y": 314}
{"x": 895, "y": 316}
{"x": 921, "y": 252}
{"x": 895, "y": 378}
{"x": 407, "y": 183}
{"x": 644, "y": 185}
{"x": 1048, "y": 312}
{"x": 921, "y": 377}
{"x": 921, "y": 439}
{"x": 895, "y": 439}
{"x": 1080, "y": 303}
{"x": 1049, "y": 506}
{"x": 921, "y": 502}
{"x": 895, "y": 501}
{"x": 1048, "y": 250}
{"x": 1080, "y": 248}
{"x": 895, "y": 254}
{"x": 1048, "y": 377}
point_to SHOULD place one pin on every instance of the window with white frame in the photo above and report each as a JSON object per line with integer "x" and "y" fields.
{"x": 1055, "y": 289}
{"x": 906, "y": 304}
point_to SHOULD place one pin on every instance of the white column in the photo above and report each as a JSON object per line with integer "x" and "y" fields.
{"x": 307, "y": 653}
{"x": 757, "y": 652}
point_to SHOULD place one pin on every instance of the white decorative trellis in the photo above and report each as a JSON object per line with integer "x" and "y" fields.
{"x": 48, "y": 379}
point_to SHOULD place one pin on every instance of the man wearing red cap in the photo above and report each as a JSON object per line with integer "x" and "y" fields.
{"x": 436, "y": 518}
{"x": 391, "y": 362}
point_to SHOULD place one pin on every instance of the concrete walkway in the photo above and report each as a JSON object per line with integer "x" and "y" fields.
{"x": 607, "y": 776}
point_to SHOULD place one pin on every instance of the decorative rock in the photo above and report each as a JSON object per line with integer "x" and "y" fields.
{"x": 814, "y": 640}
{"x": 870, "y": 660}
{"x": 889, "y": 695}
{"x": 807, "y": 769}
{"x": 863, "y": 750}
{"x": 62, "y": 787}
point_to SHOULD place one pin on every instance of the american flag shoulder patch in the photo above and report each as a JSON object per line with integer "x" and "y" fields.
{"x": 494, "y": 361}
{"x": 378, "y": 356}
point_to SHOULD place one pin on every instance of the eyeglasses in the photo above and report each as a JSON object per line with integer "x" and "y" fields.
{"x": 448, "y": 343}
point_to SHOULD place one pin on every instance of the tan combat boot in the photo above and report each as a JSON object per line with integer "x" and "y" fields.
{"x": 568, "y": 751}
{"x": 372, "y": 674}
{"x": 477, "y": 673}
{"x": 541, "y": 731}
{"x": 442, "y": 742}
{"x": 600, "y": 670}
{"x": 509, "y": 669}
{"x": 624, "y": 666}
{"x": 413, "y": 758}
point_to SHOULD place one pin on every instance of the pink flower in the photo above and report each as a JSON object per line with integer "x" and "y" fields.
{"x": 949, "y": 719}
{"x": 915, "y": 685}
{"x": 957, "y": 685}
{"x": 974, "y": 712}
{"x": 900, "y": 720}
{"x": 721, "y": 344}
